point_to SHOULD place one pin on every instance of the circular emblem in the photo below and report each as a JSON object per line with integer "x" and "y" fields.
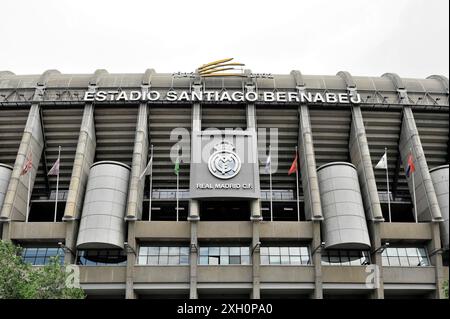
{"x": 224, "y": 163}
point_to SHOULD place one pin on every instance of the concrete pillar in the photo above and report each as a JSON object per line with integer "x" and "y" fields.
{"x": 131, "y": 261}
{"x": 194, "y": 210}
{"x": 435, "y": 251}
{"x": 71, "y": 241}
{"x": 360, "y": 157}
{"x": 426, "y": 200}
{"x": 255, "y": 294}
{"x": 376, "y": 258}
{"x": 15, "y": 202}
{"x": 317, "y": 261}
{"x": 193, "y": 294}
{"x": 308, "y": 172}
{"x": 84, "y": 157}
{"x": 140, "y": 154}
{"x": 255, "y": 205}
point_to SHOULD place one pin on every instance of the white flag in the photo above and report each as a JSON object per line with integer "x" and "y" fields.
{"x": 267, "y": 167}
{"x": 55, "y": 168}
{"x": 147, "y": 169}
{"x": 382, "y": 164}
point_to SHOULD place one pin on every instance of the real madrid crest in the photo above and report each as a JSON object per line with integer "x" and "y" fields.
{"x": 224, "y": 163}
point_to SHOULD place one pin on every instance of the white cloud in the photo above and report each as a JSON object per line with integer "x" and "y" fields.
{"x": 364, "y": 37}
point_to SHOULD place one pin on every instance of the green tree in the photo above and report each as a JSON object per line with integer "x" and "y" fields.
{"x": 19, "y": 280}
{"x": 446, "y": 288}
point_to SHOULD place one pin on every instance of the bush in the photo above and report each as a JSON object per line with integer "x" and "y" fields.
{"x": 19, "y": 280}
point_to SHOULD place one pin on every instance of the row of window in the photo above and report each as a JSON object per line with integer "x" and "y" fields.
{"x": 232, "y": 255}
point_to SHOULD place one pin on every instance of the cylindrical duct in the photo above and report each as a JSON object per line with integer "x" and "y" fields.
{"x": 439, "y": 176}
{"x": 102, "y": 222}
{"x": 5, "y": 175}
{"x": 344, "y": 225}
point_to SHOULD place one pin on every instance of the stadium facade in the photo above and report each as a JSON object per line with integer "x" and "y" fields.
{"x": 218, "y": 223}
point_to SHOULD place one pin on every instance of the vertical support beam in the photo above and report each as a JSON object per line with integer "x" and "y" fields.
{"x": 15, "y": 202}
{"x": 140, "y": 154}
{"x": 310, "y": 183}
{"x": 376, "y": 259}
{"x": 84, "y": 158}
{"x": 255, "y": 205}
{"x": 436, "y": 260}
{"x": 256, "y": 287}
{"x": 193, "y": 294}
{"x": 194, "y": 211}
{"x": 360, "y": 157}
{"x": 427, "y": 204}
{"x": 317, "y": 260}
{"x": 131, "y": 261}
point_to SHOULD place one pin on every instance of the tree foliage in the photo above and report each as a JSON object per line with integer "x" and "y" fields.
{"x": 20, "y": 280}
{"x": 446, "y": 288}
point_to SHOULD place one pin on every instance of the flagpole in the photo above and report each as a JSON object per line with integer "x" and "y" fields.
{"x": 270, "y": 182}
{"x": 387, "y": 183}
{"x": 150, "y": 186}
{"x": 57, "y": 184}
{"x": 28, "y": 199}
{"x": 296, "y": 180}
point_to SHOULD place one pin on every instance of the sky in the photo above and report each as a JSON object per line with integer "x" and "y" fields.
{"x": 363, "y": 37}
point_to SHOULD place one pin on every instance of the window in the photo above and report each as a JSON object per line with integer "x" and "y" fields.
{"x": 232, "y": 255}
{"x": 163, "y": 255}
{"x": 334, "y": 257}
{"x": 285, "y": 255}
{"x": 102, "y": 257}
{"x": 405, "y": 257}
{"x": 41, "y": 256}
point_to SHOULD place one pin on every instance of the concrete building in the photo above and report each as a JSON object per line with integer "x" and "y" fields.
{"x": 218, "y": 223}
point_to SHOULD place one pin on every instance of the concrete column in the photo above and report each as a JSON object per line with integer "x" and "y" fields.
{"x": 140, "y": 154}
{"x": 71, "y": 241}
{"x": 255, "y": 205}
{"x": 84, "y": 158}
{"x": 427, "y": 203}
{"x": 317, "y": 261}
{"x": 131, "y": 261}
{"x": 310, "y": 184}
{"x": 360, "y": 156}
{"x": 15, "y": 202}
{"x": 255, "y": 294}
{"x": 375, "y": 239}
{"x": 434, "y": 249}
{"x": 193, "y": 294}
{"x": 194, "y": 211}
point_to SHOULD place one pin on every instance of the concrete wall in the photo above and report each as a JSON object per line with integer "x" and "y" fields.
{"x": 402, "y": 275}
{"x": 288, "y": 273}
{"x": 286, "y": 230}
{"x": 405, "y": 231}
{"x": 229, "y": 273}
{"x": 38, "y": 231}
{"x": 103, "y": 274}
{"x": 161, "y": 274}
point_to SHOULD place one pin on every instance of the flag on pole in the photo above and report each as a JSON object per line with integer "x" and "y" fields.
{"x": 55, "y": 168}
{"x": 177, "y": 166}
{"x": 382, "y": 164}
{"x": 410, "y": 168}
{"x": 28, "y": 164}
{"x": 268, "y": 162}
{"x": 147, "y": 169}
{"x": 294, "y": 166}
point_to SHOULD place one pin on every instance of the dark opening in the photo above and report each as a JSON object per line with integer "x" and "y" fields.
{"x": 224, "y": 295}
{"x": 166, "y": 210}
{"x": 283, "y": 211}
{"x": 225, "y": 210}
{"x": 400, "y": 212}
{"x": 44, "y": 211}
